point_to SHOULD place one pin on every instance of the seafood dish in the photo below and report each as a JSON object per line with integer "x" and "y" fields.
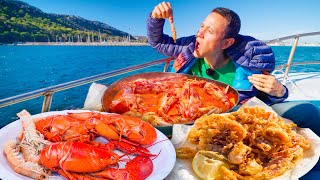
{"x": 163, "y": 99}
{"x": 78, "y": 144}
{"x": 252, "y": 142}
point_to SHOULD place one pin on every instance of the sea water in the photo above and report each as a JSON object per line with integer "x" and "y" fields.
{"x": 27, "y": 68}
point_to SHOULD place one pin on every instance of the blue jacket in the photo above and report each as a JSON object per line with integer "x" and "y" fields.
{"x": 248, "y": 54}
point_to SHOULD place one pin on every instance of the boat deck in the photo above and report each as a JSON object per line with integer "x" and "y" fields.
{"x": 303, "y": 86}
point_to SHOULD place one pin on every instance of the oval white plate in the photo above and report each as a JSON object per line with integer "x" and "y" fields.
{"x": 162, "y": 165}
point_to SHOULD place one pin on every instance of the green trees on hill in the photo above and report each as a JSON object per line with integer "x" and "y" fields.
{"x": 20, "y": 22}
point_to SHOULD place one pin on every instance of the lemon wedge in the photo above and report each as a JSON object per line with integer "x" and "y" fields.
{"x": 207, "y": 165}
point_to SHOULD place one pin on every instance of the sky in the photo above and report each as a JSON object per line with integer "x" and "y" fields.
{"x": 262, "y": 19}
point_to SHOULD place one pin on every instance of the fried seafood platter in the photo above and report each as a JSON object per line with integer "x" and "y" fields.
{"x": 163, "y": 99}
{"x": 78, "y": 144}
{"x": 252, "y": 143}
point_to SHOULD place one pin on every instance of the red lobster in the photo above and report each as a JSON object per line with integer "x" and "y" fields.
{"x": 76, "y": 160}
{"x": 87, "y": 125}
{"x": 70, "y": 158}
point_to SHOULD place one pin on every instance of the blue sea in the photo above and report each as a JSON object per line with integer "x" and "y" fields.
{"x": 27, "y": 68}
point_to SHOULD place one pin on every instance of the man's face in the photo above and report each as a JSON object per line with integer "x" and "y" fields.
{"x": 210, "y": 36}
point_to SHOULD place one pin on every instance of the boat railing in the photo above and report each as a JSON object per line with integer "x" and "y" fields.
{"x": 49, "y": 91}
{"x": 297, "y": 64}
{"x": 293, "y": 49}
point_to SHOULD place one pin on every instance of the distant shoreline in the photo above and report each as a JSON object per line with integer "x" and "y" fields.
{"x": 79, "y": 44}
{"x": 118, "y": 44}
{"x": 301, "y": 45}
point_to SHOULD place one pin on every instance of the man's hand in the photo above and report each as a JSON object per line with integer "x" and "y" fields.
{"x": 268, "y": 84}
{"x": 163, "y": 11}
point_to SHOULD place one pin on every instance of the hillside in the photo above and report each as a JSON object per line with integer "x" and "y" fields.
{"x": 20, "y": 22}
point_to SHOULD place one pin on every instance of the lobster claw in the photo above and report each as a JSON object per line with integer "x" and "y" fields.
{"x": 107, "y": 131}
{"x": 138, "y": 168}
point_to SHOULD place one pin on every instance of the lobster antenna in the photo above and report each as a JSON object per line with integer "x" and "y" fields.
{"x": 156, "y": 143}
{"x": 156, "y": 155}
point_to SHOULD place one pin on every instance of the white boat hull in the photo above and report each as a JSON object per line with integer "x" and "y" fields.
{"x": 302, "y": 86}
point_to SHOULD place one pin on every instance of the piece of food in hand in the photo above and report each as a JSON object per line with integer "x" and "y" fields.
{"x": 173, "y": 30}
{"x": 174, "y": 33}
{"x": 208, "y": 165}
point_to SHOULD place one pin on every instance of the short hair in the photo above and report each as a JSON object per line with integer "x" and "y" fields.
{"x": 234, "y": 22}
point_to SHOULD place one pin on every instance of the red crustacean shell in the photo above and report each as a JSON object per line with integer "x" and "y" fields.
{"x": 76, "y": 157}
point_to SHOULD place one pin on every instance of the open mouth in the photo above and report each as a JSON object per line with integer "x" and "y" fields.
{"x": 196, "y": 48}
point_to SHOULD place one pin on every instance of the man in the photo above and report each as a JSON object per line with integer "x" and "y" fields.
{"x": 218, "y": 52}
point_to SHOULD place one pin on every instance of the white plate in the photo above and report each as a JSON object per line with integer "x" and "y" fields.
{"x": 183, "y": 167}
{"x": 162, "y": 165}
